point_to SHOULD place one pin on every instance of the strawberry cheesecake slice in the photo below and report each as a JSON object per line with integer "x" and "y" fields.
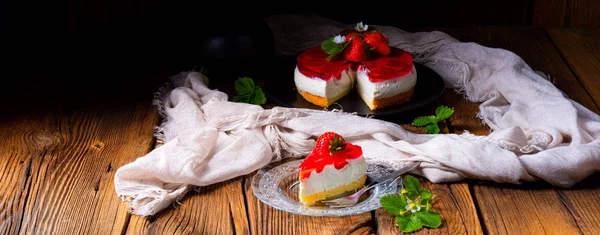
{"x": 322, "y": 82}
{"x": 333, "y": 167}
{"x": 387, "y": 81}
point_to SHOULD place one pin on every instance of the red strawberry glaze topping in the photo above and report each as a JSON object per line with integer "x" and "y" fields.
{"x": 382, "y": 68}
{"x": 313, "y": 64}
{"x": 319, "y": 158}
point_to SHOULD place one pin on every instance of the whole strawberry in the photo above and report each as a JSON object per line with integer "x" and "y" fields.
{"x": 377, "y": 42}
{"x": 356, "y": 50}
{"x": 352, "y": 35}
{"x": 330, "y": 142}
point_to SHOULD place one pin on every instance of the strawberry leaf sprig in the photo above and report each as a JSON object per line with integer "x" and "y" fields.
{"x": 412, "y": 207}
{"x": 334, "y": 46}
{"x": 248, "y": 92}
{"x": 431, "y": 122}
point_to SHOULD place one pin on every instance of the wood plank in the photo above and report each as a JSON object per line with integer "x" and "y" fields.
{"x": 583, "y": 202}
{"x": 265, "y": 219}
{"x": 581, "y": 51}
{"x": 566, "y": 13}
{"x": 61, "y": 164}
{"x": 510, "y": 209}
{"x": 215, "y": 209}
{"x": 20, "y": 146}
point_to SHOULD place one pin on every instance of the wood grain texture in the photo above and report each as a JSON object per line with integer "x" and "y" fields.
{"x": 523, "y": 210}
{"x": 265, "y": 219}
{"x": 566, "y": 13}
{"x": 532, "y": 208}
{"x": 581, "y": 51}
{"x": 583, "y": 202}
{"x": 214, "y": 209}
{"x": 60, "y": 166}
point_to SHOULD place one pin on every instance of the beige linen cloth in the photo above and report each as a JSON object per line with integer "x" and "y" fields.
{"x": 537, "y": 132}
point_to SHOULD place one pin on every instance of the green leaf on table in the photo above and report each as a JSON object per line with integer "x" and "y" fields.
{"x": 395, "y": 204}
{"x": 426, "y": 201}
{"x": 412, "y": 206}
{"x": 423, "y": 121}
{"x": 258, "y": 97}
{"x": 425, "y": 194}
{"x": 412, "y": 185}
{"x": 245, "y": 98}
{"x": 244, "y": 85}
{"x": 248, "y": 92}
{"x": 443, "y": 112}
{"x": 409, "y": 223}
{"x": 429, "y": 218}
{"x": 432, "y": 129}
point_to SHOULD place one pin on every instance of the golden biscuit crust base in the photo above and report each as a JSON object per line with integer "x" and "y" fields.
{"x": 321, "y": 101}
{"x": 391, "y": 101}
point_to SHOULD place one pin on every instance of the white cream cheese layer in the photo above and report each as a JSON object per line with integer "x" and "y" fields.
{"x": 319, "y": 87}
{"x": 378, "y": 90}
{"x": 331, "y": 178}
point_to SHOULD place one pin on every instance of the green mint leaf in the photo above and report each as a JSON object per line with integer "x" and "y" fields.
{"x": 412, "y": 185}
{"x": 443, "y": 112}
{"x": 244, "y": 85}
{"x": 432, "y": 129}
{"x": 425, "y": 193}
{"x": 425, "y": 201}
{"x": 258, "y": 97}
{"x": 424, "y": 120}
{"x": 330, "y": 47}
{"x": 429, "y": 218}
{"x": 393, "y": 203}
{"x": 245, "y": 98}
{"x": 248, "y": 92}
{"x": 409, "y": 223}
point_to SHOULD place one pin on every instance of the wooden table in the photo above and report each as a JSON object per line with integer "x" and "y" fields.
{"x": 58, "y": 158}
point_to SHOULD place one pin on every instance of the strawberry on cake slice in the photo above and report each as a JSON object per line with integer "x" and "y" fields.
{"x": 333, "y": 167}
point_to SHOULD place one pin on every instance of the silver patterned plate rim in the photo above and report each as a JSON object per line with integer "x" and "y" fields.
{"x": 266, "y": 187}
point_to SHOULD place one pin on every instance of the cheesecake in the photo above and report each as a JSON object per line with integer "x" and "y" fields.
{"x": 332, "y": 168}
{"x": 358, "y": 60}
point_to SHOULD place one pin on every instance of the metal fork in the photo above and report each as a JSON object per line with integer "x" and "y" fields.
{"x": 353, "y": 199}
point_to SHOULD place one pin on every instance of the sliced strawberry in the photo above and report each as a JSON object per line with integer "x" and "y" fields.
{"x": 378, "y": 42}
{"x": 356, "y": 51}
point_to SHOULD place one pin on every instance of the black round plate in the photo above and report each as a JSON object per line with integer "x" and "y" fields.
{"x": 429, "y": 87}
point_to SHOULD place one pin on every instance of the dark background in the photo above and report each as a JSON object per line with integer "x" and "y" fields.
{"x": 74, "y": 48}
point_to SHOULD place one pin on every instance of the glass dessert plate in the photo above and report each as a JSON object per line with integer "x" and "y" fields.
{"x": 277, "y": 185}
